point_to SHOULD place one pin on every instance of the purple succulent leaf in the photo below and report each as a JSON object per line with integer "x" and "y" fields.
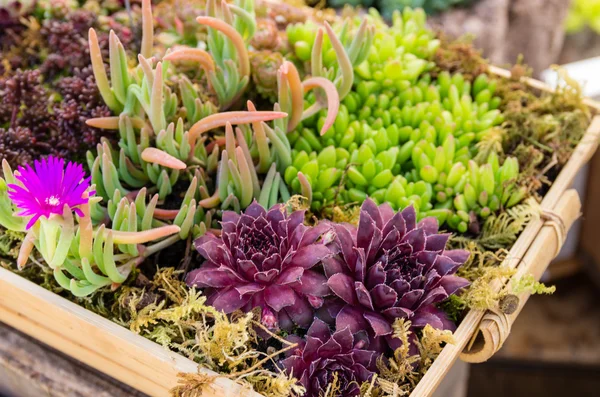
{"x": 311, "y": 347}
{"x": 344, "y": 338}
{"x": 333, "y": 265}
{"x": 398, "y": 223}
{"x": 410, "y": 217}
{"x": 458, "y": 256}
{"x": 342, "y": 285}
{"x": 445, "y": 265}
{"x": 247, "y": 268}
{"x": 249, "y": 288}
{"x": 453, "y": 283}
{"x": 300, "y": 312}
{"x": 230, "y": 217}
{"x": 330, "y": 348}
{"x": 366, "y": 228}
{"x": 387, "y": 213}
{"x": 211, "y": 276}
{"x": 380, "y": 325}
{"x": 416, "y": 239}
{"x": 229, "y": 300}
{"x": 294, "y": 220}
{"x": 352, "y": 318}
{"x": 400, "y": 286}
{"x": 313, "y": 283}
{"x": 285, "y": 322}
{"x": 255, "y": 210}
{"x": 375, "y": 275}
{"x": 436, "y": 242}
{"x": 390, "y": 240}
{"x": 434, "y": 295}
{"x": 429, "y": 226}
{"x": 383, "y": 296}
{"x": 397, "y": 312}
{"x": 315, "y": 301}
{"x": 360, "y": 268}
{"x": 411, "y": 298}
{"x": 280, "y": 296}
{"x": 320, "y": 330}
{"x": 311, "y": 235}
{"x": 369, "y": 207}
{"x": 272, "y": 262}
{"x": 347, "y": 244}
{"x": 433, "y": 316}
{"x": 266, "y": 277}
{"x": 308, "y": 256}
{"x": 290, "y": 275}
{"x": 374, "y": 245}
{"x": 364, "y": 298}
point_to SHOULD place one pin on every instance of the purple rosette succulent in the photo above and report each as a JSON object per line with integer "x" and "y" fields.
{"x": 265, "y": 259}
{"x": 390, "y": 267}
{"x": 321, "y": 356}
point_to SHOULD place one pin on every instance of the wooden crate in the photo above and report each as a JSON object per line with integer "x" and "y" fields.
{"x": 150, "y": 368}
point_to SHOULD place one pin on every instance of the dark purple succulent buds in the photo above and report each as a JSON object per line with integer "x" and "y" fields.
{"x": 264, "y": 259}
{"x": 321, "y": 356}
{"x": 390, "y": 267}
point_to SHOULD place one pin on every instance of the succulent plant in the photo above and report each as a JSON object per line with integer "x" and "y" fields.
{"x": 390, "y": 267}
{"x": 42, "y": 200}
{"x": 322, "y": 357}
{"x": 265, "y": 259}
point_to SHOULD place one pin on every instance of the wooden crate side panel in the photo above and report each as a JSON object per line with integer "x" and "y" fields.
{"x": 104, "y": 344}
{"x": 583, "y": 152}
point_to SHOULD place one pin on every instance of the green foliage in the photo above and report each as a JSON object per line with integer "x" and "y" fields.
{"x": 582, "y": 14}
{"x": 404, "y": 138}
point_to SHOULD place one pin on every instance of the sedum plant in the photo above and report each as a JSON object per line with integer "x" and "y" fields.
{"x": 404, "y": 138}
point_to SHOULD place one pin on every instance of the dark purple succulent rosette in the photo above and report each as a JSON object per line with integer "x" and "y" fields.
{"x": 321, "y": 355}
{"x": 390, "y": 267}
{"x": 264, "y": 259}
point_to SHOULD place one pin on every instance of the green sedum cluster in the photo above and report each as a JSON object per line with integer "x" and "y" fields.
{"x": 402, "y": 136}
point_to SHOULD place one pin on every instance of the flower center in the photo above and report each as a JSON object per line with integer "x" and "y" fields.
{"x": 53, "y": 201}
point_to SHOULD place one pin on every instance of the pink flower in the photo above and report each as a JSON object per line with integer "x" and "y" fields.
{"x": 48, "y": 188}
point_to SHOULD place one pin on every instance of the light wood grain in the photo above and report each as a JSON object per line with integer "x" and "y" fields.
{"x": 97, "y": 341}
{"x": 470, "y": 324}
{"x": 534, "y": 263}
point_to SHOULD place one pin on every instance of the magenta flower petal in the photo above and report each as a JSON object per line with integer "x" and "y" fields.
{"x": 48, "y": 188}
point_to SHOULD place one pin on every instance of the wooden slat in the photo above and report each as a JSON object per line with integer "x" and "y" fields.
{"x": 470, "y": 324}
{"x": 96, "y": 341}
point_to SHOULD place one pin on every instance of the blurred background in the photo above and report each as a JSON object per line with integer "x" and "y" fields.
{"x": 554, "y": 347}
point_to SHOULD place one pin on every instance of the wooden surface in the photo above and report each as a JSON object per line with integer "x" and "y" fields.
{"x": 470, "y": 323}
{"x": 495, "y": 327}
{"x": 98, "y": 342}
{"x": 30, "y": 369}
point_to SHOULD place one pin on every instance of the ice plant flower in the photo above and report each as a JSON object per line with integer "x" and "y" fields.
{"x": 45, "y": 189}
{"x": 265, "y": 259}
{"x": 323, "y": 356}
{"x": 391, "y": 267}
